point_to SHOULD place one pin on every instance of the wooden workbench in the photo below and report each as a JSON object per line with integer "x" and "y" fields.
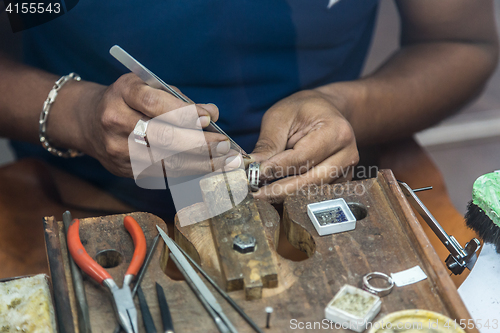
{"x": 388, "y": 239}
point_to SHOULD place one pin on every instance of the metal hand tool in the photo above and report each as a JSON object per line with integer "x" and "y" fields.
{"x": 149, "y": 324}
{"x": 143, "y": 270}
{"x": 166, "y": 318}
{"x": 122, "y": 297}
{"x": 154, "y": 81}
{"x": 217, "y": 319}
{"x": 76, "y": 275}
{"x": 222, "y": 293}
{"x": 144, "y": 267}
{"x": 459, "y": 258}
{"x": 197, "y": 282}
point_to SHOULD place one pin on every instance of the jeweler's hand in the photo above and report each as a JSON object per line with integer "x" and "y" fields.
{"x": 174, "y": 133}
{"x": 304, "y": 140}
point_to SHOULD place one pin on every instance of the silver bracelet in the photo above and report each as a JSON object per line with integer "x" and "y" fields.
{"x": 44, "y": 116}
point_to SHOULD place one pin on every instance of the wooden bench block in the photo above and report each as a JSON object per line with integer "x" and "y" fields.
{"x": 249, "y": 271}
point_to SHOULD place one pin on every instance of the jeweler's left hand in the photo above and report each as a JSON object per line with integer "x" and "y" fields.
{"x": 304, "y": 139}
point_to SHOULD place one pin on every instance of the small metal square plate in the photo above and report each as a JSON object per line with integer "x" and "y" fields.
{"x": 331, "y": 216}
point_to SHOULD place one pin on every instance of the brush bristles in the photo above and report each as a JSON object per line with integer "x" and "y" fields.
{"x": 477, "y": 220}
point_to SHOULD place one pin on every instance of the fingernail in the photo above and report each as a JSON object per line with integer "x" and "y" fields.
{"x": 233, "y": 162}
{"x": 215, "y": 107}
{"x": 204, "y": 121}
{"x": 210, "y": 107}
{"x": 223, "y": 147}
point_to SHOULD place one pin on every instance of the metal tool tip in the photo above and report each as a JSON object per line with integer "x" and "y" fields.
{"x": 131, "y": 325}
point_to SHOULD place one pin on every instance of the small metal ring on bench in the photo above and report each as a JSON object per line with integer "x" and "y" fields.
{"x": 381, "y": 292}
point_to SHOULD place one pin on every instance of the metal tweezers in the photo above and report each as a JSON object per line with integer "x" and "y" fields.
{"x": 154, "y": 81}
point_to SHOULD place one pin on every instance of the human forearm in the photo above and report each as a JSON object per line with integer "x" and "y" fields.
{"x": 23, "y": 92}
{"x": 98, "y": 120}
{"x": 448, "y": 50}
{"x": 418, "y": 86}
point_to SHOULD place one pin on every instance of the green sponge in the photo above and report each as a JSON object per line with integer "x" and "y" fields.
{"x": 483, "y": 212}
{"x": 486, "y": 195}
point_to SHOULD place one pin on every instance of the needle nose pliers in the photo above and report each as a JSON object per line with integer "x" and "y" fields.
{"x": 123, "y": 302}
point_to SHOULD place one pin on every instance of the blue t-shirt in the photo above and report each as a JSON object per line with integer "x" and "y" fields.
{"x": 242, "y": 55}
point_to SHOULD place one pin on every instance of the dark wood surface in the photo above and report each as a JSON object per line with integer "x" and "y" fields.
{"x": 388, "y": 239}
{"x": 31, "y": 190}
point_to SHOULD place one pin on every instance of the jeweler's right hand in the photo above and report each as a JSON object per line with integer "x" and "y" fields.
{"x": 176, "y": 137}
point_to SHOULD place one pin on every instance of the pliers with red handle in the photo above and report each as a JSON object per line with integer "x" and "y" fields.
{"x": 123, "y": 302}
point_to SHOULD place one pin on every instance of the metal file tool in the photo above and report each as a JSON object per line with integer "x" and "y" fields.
{"x": 166, "y": 317}
{"x": 81, "y": 298}
{"x": 222, "y": 293}
{"x": 202, "y": 289}
{"x": 154, "y": 81}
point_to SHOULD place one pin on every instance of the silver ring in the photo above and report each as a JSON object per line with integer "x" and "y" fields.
{"x": 140, "y": 132}
{"x": 381, "y": 292}
{"x": 253, "y": 175}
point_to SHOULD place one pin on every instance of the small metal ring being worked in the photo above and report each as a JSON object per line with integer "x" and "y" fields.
{"x": 381, "y": 292}
{"x": 253, "y": 175}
